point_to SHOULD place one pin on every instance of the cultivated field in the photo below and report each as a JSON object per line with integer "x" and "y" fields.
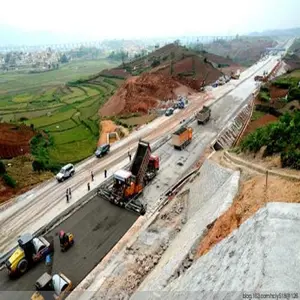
{"x": 67, "y": 112}
{"x": 17, "y": 82}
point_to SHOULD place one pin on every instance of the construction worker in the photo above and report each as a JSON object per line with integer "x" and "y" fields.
{"x": 62, "y": 237}
{"x": 92, "y": 175}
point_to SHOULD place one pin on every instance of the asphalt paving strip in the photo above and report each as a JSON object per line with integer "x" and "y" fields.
{"x": 97, "y": 227}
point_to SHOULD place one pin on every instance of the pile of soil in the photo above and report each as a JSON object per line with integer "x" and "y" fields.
{"x": 277, "y": 93}
{"x": 14, "y": 140}
{"x": 140, "y": 93}
{"x": 253, "y": 196}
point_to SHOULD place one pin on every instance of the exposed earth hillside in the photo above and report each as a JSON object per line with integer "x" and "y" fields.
{"x": 161, "y": 73}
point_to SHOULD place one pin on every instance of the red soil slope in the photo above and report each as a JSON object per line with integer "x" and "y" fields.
{"x": 139, "y": 93}
{"x": 14, "y": 140}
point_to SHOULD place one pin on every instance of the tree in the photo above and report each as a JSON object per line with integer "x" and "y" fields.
{"x": 171, "y": 68}
{"x": 177, "y": 42}
{"x": 64, "y": 59}
{"x": 7, "y": 57}
{"x": 38, "y": 166}
{"x": 193, "y": 66}
{"x": 155, "y": 63}
{"x": 2, "y": 168}
{"x": 123, "y": 58}
{"x": 9, "y": 180}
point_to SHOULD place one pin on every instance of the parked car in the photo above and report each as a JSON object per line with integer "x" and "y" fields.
{"x": 169, "y": 112}
{"x": 102, "y": 150}
{"x": 65, "y": 172}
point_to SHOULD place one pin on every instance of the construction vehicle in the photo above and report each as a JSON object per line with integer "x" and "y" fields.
{"x": 182, "y": 137}
{"x": 236, "y": 75}
{"x": 203, "y": 115}
{"x": 180, "y": 103}
{"x": 66, "y": 240}
{"x": 128, "y": 185}
{"x": 30, "y": 250}
{"x": 261, "y": 78}
{"x": 53, "y": 287}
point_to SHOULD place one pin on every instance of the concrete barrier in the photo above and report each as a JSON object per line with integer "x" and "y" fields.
{"x": 228, "y": 136}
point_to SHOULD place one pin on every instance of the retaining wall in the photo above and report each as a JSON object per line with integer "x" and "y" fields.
{"x": 214, "y": 197}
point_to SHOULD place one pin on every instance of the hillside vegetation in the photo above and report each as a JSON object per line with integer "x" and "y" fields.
{"x": 280, "y": 98}
{"x": 242, "y": 50}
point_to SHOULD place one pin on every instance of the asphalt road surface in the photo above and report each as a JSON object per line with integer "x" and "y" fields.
{"x": 97, "y": 227}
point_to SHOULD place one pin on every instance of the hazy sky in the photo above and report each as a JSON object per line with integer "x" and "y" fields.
{"x": 136, "y": 18}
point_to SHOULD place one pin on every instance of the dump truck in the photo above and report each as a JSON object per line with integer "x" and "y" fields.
{"x": 182, "y": 137}
{"x": 203, "y": 115}
{"x": 30, "y": 251}
{"x": 127, "y": 185}
{"x": 56, "y": 287}
{"x": 261, "y": 78}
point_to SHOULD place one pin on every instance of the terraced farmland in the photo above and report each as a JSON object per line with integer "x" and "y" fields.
{"x": 68, "y": 113}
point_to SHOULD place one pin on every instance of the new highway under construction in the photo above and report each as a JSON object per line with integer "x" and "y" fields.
{"x": 98, "y": 225}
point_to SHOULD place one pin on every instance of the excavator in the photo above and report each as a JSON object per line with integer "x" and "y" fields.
{"x": 128, "y": 185}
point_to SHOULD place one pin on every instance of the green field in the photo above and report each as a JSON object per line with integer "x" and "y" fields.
{"x": 68, "y": 113}
{"x": 14, "y": 82}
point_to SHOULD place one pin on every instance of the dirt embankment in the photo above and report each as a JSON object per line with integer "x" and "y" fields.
{"x": 14, "y": 140}
{"x": 191, "y": 72}
{"x": 253, "y": 195}
{"x": 140, "y": 93}
{"x": 20, "y": 169}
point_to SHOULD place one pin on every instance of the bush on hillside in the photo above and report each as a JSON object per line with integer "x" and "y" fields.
{"x": 9, "y": 180}
{"x": 282, "y": 83}
{"x": 155, "y": 63}
{"x": 294, "y": 94}
{"x": 2, "y": 167}
{"x": 291, "y": 159}
{"x": 280, "y": 137}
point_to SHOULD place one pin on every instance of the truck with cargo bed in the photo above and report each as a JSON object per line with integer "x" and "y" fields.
{"x": 182, "y": 137}
{"x": 203, "y": 115}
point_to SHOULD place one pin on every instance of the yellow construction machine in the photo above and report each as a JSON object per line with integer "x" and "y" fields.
{"x": 30, "y": 250}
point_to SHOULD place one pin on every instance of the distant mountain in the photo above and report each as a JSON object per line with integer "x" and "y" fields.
{"x": 15, "y": 36}
{"x": 278, "y": 32}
